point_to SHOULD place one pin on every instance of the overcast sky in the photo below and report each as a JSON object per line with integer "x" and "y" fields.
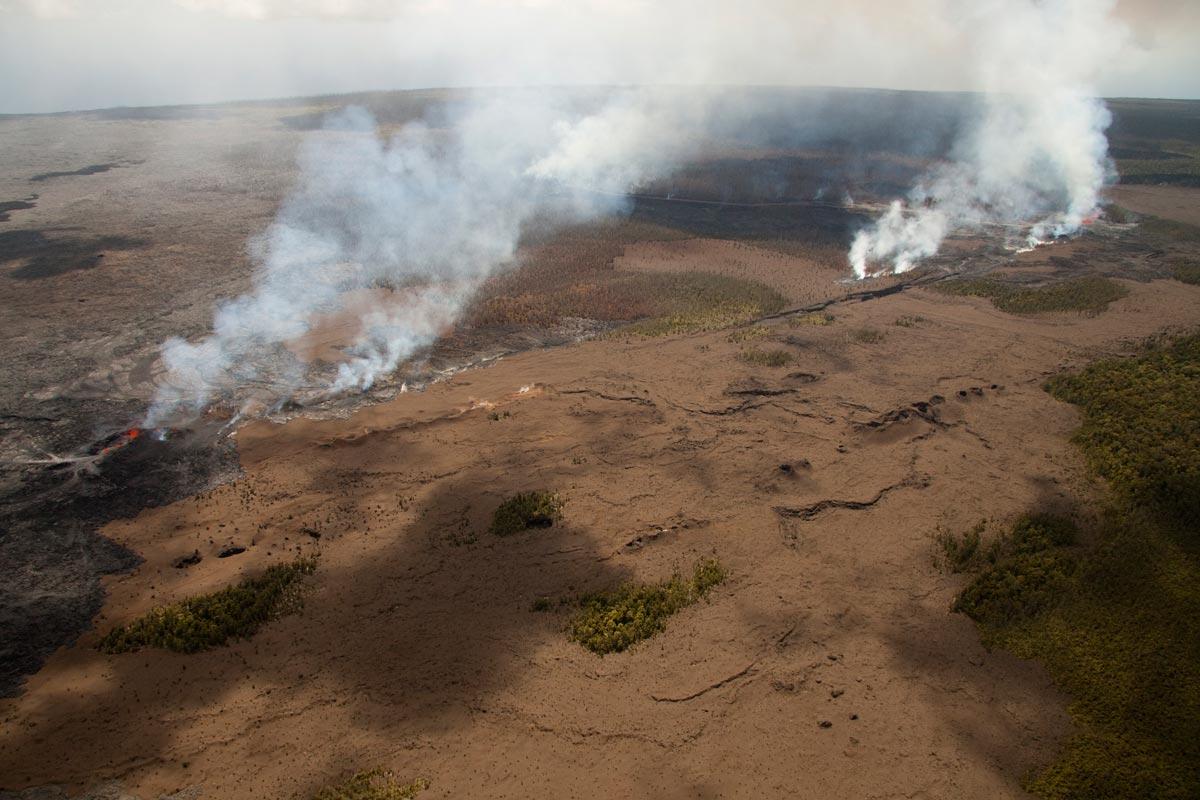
{"x": 73, "y": 54}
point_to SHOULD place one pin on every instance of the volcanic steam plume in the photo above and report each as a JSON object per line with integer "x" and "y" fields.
{"x": 1036, "y": 158}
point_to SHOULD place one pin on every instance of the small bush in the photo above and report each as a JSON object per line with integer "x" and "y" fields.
{"x": 1119, "y": 215}
{"x": 750, "y": 334}
{"x": 1188, "y": 273}
{"x": 1035, "y": 533}
{"x": 1084, "y": 295}
{"x": 814, "y": 320}
{"x": 909, "y": 321}
{"x": 961, "y": 552}
{"x": 207, "y": 621}
{"x": 527, "y": 510}
{"x": 1018, "y": 587}
{"x": 1028, "y": 569}
{"x": 374, "y": 784}
{"x": 766, "y": 358}
{"x": 610, "y": 622}
{"x": 867, "y": 336}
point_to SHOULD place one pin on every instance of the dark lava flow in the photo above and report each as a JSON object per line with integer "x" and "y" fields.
{"x": 52, "y": 557}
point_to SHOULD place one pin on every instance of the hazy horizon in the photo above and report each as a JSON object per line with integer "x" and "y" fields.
{"x": 301, "y": 98}
{"x": 68, "y": 55}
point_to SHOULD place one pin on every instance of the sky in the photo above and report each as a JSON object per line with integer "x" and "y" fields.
{"x": 58, "y": 55}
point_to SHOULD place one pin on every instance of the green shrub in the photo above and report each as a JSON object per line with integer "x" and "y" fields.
{"x": 207, "y": 621}
{"x": 699, "y": 302}
{"x": 610, "y": 622}
{"x": 868, "y": 336}
{"x": 1119, "y": 214}
{"x": 1141, "y": 425}
{"x": 1026, "y": 569}
{"x": 1117, "y": 623}
{"x": 375, "y": 784}
{"x": 1188, "y": 273}
{"x": 1035, "y": 533}
{"x": 1015, "y": 588}
{"x": 1169, "y": 230}
{"x": 753, "y": 333}
{"x": 766, "y": 358}
{"x": 527, "y": 510}
{"x": 1085, "y": 295}
{"x": 961, "y": 552}
{"x": 908, "y": 321}
{"x": 814, "y": 320}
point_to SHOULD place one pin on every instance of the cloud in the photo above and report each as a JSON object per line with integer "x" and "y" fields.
{"x": 94, "y": 53}
{"x": 43, "y": 9}
{"x": 281, "y": 9}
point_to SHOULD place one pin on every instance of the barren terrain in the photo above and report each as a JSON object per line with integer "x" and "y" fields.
{"x": 829, "y": 663}
{"x": 417, "y": 647}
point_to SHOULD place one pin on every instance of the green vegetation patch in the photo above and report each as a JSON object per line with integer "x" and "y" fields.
{"x": 751, "y": 334}
{"x": 1169, "y": 230}
{"x": 766, "y": 358}
{"x": 963, "y": 552}
{"x": 1084, "y": 295}
{"x": 1178, "y": 166}
{"x": 812, "y": 320}
{"x": 698, "y": 302}
{"x": 1117, "y": 623}
{"x": 374, "y": 784}
{"x": 1022, "y": 574}
{"x": 610, "y": 622}
{"x": 1141, "y": 426}
{"x": 867, "y": 336}
{"x": 527, "y": 510}
{"x": 908, "y": 321}
{"x": 211, "y": 620}
{"x": 1188, "y": 273}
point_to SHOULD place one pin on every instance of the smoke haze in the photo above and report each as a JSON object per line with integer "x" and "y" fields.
{"x": 435, "y": 209}
{"x": 70, "y": 54}
{"x": 429, "y": 213}
{"x": 1038, "y": 155}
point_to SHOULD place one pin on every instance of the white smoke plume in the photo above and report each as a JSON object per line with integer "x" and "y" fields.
{"x": 431, "y": 213}
{"x": 1038, "y": 156}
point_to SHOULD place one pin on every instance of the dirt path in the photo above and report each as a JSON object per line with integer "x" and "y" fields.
{"x": 418, "y": 650}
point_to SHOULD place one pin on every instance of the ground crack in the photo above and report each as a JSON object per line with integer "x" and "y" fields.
{"x": 724, "y": 681}
{"x": 641, "y": 401}
{"x": 816, "y": 509}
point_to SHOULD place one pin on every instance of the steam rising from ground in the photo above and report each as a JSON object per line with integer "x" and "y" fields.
{"x": 438, "y": 207}
{"x": 1038, "y": 156}
{"x": 429, "y": 213}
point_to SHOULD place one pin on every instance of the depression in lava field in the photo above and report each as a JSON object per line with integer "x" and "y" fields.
{"x": 499, "y": 399}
